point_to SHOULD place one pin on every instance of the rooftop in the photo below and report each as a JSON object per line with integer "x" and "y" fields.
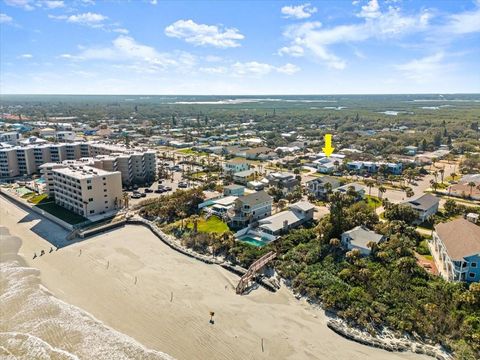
{"x": 256, "y": 198}
{"x": 361, "y": 236}
{"x": 460, "y": 237}
{"x": 424, "y": 202}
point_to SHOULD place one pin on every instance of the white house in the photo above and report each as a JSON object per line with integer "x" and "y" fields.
{"x": 425, "y": 206}
{"x": 359, "y": 237}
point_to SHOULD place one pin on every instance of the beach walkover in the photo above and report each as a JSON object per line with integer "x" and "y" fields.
{"x": 252, "y": 271}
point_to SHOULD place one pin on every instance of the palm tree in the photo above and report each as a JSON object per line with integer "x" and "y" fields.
{"x": 442, "y": 172}
{"x": 409, "y": 192}
{"x": 195, "y": 219}
{"x": 471, "y": 185}
{"x": 453, "y": 175}
{"x": 369, "y": 184}
{"x": 334, "y": 242}
{"x": 381, "y": 190}
{"x": 434, "y": 185}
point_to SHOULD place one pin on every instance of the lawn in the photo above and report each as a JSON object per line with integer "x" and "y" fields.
{"x": 38, "y": 199}
{"x": 373, "y": 201}
{"x": 191, "y": 152}
{"x": 61, "y": 213}
{"x": 212, "y": 225}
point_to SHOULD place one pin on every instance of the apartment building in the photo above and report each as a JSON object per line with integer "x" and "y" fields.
{"x": 86, "y": 190}
{"x": 8, "y": 161}
{"x": 135, "y": 166}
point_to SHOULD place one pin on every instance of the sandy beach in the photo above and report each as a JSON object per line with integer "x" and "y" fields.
{"x": 130, "y": 281}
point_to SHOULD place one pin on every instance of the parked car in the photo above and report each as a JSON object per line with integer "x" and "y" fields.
{"x": 136, "y": 195}
{"x": 182, "y": 184}
{"x": 148, "y": 190}
{"x": 143, "y": 194}
{"x": 158, "y": 191}
{"x": 167, "y": 188}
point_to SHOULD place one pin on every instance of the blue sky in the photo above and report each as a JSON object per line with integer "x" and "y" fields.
{"x": 239, "y": 47}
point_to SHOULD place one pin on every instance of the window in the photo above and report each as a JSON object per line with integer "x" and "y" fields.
{"x": 89, "y": 181}
{"x": 104, "y": 190}
{"x": 472, "y": 275}
{"x": 106, "y": 201}
{"x": 105, "y": 195}
{"x": 92, "y": 211}
{"x": 89, "y": 188}
{"x": 473, "y": 265}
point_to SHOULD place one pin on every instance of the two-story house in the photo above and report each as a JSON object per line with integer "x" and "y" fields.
{"x": 318, "y": 187}
{"x": 235, "y": 165}
{"x": 284, "y": 181}
{"x": 425, "y": 206}
{"x": 455, "y": 246}
{"x": 250, "y": 208}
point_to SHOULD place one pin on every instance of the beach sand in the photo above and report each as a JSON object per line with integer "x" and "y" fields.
{"x": 132, "y": 282}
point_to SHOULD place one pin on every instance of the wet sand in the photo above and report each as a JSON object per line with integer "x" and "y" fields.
{"x": 129, "y": 280}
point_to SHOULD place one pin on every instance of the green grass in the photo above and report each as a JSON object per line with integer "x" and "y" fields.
{"x": 422, "y": 248}
{"x": 192, "y": 152}
{"x": 373, "y": 201}
{"x": 61, "y": 213}
{"x": 38, "y": 199}
{"x": 212, "y": 225}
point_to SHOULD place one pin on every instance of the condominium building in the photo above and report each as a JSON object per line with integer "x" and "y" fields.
{"x": 86, "y": 190}
{"x": 136, "y": 166}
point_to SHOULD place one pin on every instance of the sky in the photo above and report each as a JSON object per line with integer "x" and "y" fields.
{"x": 239, "y": 47}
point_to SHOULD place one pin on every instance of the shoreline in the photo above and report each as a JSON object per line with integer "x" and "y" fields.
{"x": 98, "y": 275}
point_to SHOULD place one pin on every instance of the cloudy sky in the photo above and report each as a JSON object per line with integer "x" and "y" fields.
{"x": 239, "y": 47}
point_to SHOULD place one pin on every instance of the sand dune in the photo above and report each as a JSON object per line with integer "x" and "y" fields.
{"x": 135, "y": 284}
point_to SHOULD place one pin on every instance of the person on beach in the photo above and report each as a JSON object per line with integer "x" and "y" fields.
{"x": 35, "y": 255}
{"x": 42, "y": 252}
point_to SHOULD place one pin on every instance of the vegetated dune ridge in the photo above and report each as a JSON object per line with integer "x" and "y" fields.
{"x": 132, "y": 282}
{"x": 36, "y": 325}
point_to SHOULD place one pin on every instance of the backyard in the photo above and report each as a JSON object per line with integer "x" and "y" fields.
{"x": 212, "y": 225}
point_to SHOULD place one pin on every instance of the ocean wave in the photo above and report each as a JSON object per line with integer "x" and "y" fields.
{"x": 36, "y": 325}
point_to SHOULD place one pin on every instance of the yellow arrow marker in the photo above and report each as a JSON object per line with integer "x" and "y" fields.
{"x": 328, "y": 149}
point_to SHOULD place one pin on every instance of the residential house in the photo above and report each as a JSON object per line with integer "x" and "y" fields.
{"x": 359, "y": 190}
{"x": 243, "y": 177}
{"x": 455, "y": 248}
{"x": 233, "y": 190}
{"x": 250, "y": 208}
{"x": 235, "y": 166}
{"x": 425, "y": 206}
{"x": 318, "y": 187}
{"x": 286, "y": 182}
{"x": 280, "y": 223}
{"x": 359, "y": 238}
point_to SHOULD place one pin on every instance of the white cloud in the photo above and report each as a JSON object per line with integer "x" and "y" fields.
{"x": 202, "y": 34}
{"x": 214, "y": 70}
{"x": 423, "y": 69}
{"x": 315, "y": 40}
{"x": 370, "y": 10}
{"x": 288, "y": 69}
{"x": 26, "y": 56}
{"x": 294, "y": 50}
{"x": 87, "y": 19}
{"x": 24, "y": 4}
{"x": 154, "y": 2}
{"x": 5, "y": 19}
{"x": 465, "y": 22}
{"x": 54, "y": 4}
{"x": 121, "y": 31}
{"x": 257, "y": 69}
{"x": 298, "y": 12}
{"x": 129, "y": 53}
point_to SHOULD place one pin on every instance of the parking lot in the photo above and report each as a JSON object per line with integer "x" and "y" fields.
{"x": 165, "y": 183}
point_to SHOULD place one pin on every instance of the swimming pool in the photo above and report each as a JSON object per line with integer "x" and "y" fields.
{"x": 252, "y": 241}
{"x": 40, "y": 181}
